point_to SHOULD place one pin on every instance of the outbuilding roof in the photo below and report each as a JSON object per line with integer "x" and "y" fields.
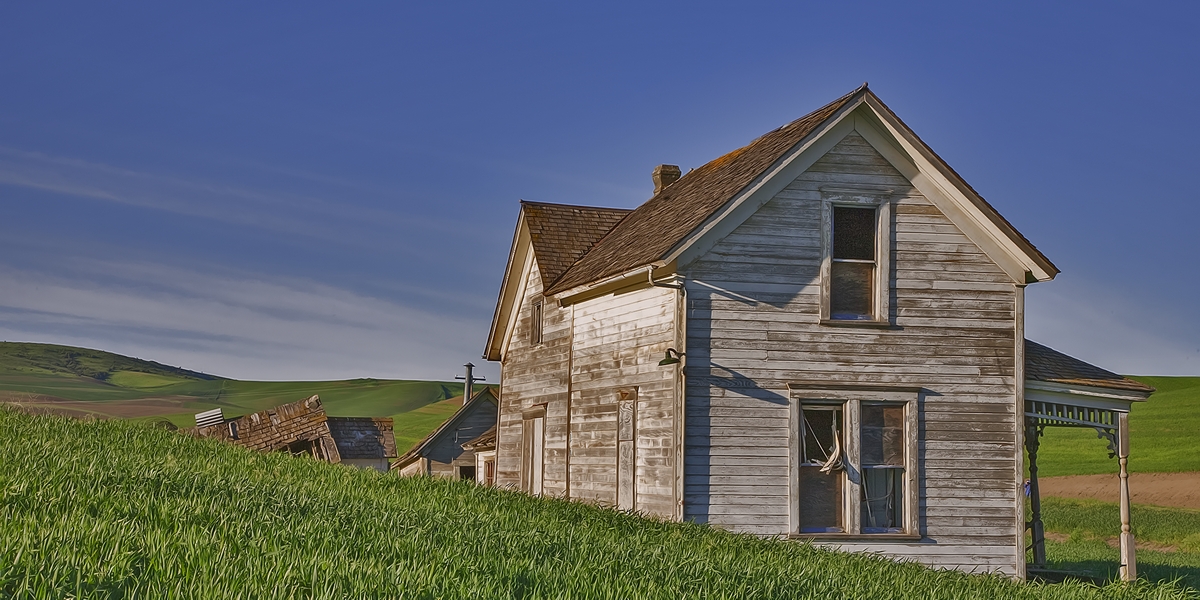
{"x": 485, "y": 441}
{"x": 1047, "y": 364}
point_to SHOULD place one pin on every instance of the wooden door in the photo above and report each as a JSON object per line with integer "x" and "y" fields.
{"x": 626, "y": 449}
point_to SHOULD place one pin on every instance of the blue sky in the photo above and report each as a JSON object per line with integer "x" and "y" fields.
{"x": 307, "y": 191}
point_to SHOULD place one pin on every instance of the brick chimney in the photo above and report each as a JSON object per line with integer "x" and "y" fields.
{"x": 665, "y": 175}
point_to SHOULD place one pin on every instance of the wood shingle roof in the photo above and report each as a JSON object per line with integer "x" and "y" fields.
{"x": 562, "y": 233}
{"x": 654, "y": 228}
{"x": 1050, "y": 365}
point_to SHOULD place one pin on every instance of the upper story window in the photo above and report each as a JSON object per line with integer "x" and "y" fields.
{"x": 855, "y": 280}
{"x": 852, "y": 272}
{"x": 535, "y": 322}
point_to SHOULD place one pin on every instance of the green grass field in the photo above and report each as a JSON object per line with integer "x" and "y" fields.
{"x": 1163, "y": 439}
{"x": 1164, "y": 436}
{"x": 1168, "y": 540}
{"x": 81, "y": 382}
{"x": 117, "y": 509}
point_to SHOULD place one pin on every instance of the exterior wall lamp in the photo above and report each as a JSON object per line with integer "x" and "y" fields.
{"x": 671, "y": 360}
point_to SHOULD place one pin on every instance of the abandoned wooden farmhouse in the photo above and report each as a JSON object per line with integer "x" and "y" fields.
{"x": 819, "y": 335}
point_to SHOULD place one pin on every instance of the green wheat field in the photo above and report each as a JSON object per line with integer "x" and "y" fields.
{"x": 142, "y": 504}
{"x": 121, "y": 509}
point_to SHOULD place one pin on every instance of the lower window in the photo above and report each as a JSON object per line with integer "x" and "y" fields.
{"x": 467, "y": 473}
{"x": 881, "y": 458}
{"x": 852, "y": 471}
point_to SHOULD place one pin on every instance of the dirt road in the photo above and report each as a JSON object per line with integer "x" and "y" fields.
{"x": 1160, "y": 489}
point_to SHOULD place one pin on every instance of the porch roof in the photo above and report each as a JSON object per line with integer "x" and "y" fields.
{"x": 1049, "y": 365}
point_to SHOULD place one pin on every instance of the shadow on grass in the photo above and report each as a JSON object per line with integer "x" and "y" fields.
{"x": 1095, "y": 561}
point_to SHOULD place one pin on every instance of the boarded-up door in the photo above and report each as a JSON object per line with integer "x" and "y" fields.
{"x": 533, "y": 430}
{"x": 626, "y": 448}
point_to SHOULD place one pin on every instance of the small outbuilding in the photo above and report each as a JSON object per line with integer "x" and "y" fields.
{"x": 451, "y": 450}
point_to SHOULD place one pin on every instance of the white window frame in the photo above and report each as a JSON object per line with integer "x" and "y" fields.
{"x": 859, "y": 197}
{"x": 482, "y": 459}
{"x": 851, "y": 397}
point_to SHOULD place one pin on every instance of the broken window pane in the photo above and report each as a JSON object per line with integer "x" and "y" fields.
{"x": 821, "y": 473}
{"x": 851, "y": 290}
{"x": 882, "y": 441}
{"x": 822, "y": 434}
{"x": 854, "y": 233}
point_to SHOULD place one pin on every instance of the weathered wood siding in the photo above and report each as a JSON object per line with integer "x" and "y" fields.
{"x": 618, "y": 341}
{"x": 446, "y": 454}
{"x": 531, "y": 375}
{"x": 753, "y": 327}
{"x": 590, "y": 352}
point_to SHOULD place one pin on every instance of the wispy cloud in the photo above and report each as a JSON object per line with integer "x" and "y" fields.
{"x": 274, "y": 209}
{"x": 234, "y": 324}
{"x": 1102, "y": 325}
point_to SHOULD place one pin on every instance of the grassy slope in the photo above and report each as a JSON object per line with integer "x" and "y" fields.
{"x": 79, "y": 382}
{"x": 115, "y": 509}
{"x": 1163, "y": 436}
{"x": 20, "y": 357}
{"x": 1090, "y": 524}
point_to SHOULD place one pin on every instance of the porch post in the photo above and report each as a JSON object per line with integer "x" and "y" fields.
{"x": 1128, "y": 558}
{"x": 1035, "y": 498}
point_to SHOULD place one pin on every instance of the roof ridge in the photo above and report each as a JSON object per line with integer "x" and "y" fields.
{"x": 730, "y": 174}
{"x": 1005, "y": 226}
{"x": 539, "y": 203}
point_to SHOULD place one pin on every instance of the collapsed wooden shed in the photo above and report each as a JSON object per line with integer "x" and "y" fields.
{"x": 302, "y": 428}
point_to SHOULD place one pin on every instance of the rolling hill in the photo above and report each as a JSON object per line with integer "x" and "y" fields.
{"x": 1162, "y": 435}
{"x": 82, "y": 382}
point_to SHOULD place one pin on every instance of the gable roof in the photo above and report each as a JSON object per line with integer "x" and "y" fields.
{"x": 654, "y": 229}
{"x": 484, "y": 395}
{"x": 1047, "y": 364}
{"x": 562, "y": 233}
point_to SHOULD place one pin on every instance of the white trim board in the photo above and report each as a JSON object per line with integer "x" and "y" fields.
{"x": 512, "y": 291}
{"x": 863, "y": 117}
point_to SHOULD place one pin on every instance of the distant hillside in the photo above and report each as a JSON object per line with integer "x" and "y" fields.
{"x": 1162, "y": 436}
{"x": 25, "y": 358}
{"x": 80, "y": 382}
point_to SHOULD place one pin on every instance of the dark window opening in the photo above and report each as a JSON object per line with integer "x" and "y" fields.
{"x": 535, "y": 323}
{"x": 821, "y": 481}
{"x": 301, "y": 448}
{"x": 852, "y": 272}
{"x": 467, "y": 473}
